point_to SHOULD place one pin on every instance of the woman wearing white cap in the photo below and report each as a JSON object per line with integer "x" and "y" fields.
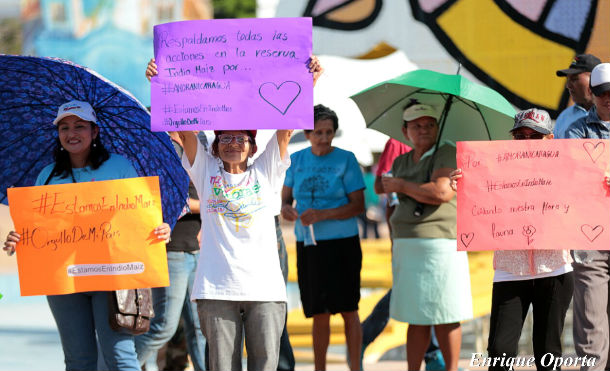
{"x": 431, "y": 282}
{"x": 81, "y": 157}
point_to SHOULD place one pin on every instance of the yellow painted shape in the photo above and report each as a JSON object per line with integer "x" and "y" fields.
{"x": 519, "y": 59}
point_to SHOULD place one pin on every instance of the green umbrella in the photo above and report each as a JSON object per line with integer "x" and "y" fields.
{"x": 470, "y": 111}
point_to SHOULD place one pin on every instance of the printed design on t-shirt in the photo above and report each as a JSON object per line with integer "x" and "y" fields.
{"x": 312, "y": 184}
{"x": 236, "y": 203}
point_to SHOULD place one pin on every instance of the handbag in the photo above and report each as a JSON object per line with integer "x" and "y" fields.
{"x": 130, "y": 310}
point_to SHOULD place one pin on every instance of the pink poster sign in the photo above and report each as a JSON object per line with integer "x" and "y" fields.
{"x": 233, "y": 74}
{"x": 533, "y": 194}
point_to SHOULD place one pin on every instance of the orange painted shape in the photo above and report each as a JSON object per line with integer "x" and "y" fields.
{"x": 599, "y": 43}
{"x": 533, "y": 194}
{"x": 92, "y": 236}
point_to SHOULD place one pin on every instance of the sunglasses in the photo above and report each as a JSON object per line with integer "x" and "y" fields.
{"x": 528, "y": 136}
{"x": 228, "y": 138}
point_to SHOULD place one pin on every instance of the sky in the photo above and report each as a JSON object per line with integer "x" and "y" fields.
{"x": 9, "y": 8}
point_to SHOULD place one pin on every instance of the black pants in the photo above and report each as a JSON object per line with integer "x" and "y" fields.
{"x": 550, "y": 298}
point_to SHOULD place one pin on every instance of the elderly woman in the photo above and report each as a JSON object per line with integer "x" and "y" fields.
{"x": 327, "y": 185}
{"x": 542, "y": 279}
{"x": 80, "y": 317}
{"x": 239, "y": 287}
{"x": 431, "y": 283}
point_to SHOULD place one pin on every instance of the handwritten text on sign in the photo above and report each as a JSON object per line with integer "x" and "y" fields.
{"x": 533, "y": 194}
{"x": 233, "y": 74}
{"x": 89, "y": 236}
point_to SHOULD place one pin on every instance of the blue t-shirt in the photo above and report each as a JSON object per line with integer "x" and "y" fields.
{"x": 116, "y": 167}
{"x": 323, "y": 182}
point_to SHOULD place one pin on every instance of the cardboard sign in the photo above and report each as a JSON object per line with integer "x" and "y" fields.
{"x": 233, "y": 74}
{"x": 533, "y": 194}
{"x": 89, "y": 236}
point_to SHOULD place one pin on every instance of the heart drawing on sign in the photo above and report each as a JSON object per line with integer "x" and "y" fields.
{"x": 591, "y": 232}
{"x": 594, "y": 150}
{"x": 466, "y": 238}
{"x": 280, "y": 97}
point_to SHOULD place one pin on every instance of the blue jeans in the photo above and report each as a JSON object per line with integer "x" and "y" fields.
{"x": 79, "y": 317}
{"x": 169, "y": 303}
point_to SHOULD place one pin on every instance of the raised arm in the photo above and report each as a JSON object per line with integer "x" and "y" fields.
{"x": 151, "y": 69}
{"x": 189, "y": 144}
{"x": 283, "y": 138}
{"x": 315, "y": 68}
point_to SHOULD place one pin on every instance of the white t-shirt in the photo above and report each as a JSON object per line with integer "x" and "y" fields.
{"x": 238, "y": 259}
{"x": 503, "y": 276}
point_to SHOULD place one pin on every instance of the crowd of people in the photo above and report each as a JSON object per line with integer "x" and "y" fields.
{"x": 227, "y": 258}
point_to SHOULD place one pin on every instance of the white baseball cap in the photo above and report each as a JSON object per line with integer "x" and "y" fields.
{"x": 76, "y": 108}
{"x": 600, "y": 79}
{"x": 419, "y": 110}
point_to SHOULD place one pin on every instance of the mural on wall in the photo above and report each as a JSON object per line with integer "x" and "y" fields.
{"x": 112, "y": 37}
{"x": 513, "y": 46}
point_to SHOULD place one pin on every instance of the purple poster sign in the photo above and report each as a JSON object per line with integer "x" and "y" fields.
{"x": 233, "y": 74}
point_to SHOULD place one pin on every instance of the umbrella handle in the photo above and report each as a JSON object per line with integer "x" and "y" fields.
{"x": 419, "y": 209}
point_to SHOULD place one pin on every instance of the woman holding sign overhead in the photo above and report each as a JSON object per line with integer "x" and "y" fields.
{"x": 239, "y": 285}
{"x": 80, "y": 317}
{"x": 431, "y": 281}
{"x": 540, "y": 278}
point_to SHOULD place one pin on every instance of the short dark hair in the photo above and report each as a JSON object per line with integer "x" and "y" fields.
{"x": 321, "y": 112}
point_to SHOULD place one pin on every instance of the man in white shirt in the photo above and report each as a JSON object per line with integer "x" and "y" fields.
{"x": 577, "y": 83}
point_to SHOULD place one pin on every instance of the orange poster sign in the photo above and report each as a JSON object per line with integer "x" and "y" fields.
{"x": 533, "y": 194}
{"x": 89, "y": 236}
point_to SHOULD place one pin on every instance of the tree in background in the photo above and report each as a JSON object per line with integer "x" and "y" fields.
{"x": 234, "y": 8}
{"x": 10, "y": 36}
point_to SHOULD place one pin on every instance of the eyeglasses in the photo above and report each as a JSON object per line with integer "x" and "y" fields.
{"x": 228, "y": 138}
{"x": 528, "y": 136}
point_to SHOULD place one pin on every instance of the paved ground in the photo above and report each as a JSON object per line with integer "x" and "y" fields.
{"x": 29, "y": 339}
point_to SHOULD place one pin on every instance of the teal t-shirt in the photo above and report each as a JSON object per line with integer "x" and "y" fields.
{"x": 116, "y": 167}
{"x": 323, "y": 182}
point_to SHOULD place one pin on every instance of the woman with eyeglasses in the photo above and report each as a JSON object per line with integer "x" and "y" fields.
{"x": 239, "y": 287}
{"x": 328, "y": 187}
{"x": 540, "y": 278}
{"x": 431, "y": 280}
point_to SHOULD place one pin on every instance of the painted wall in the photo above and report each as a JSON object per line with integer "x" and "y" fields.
{"x": 112, "y": 37}
{"x": 513, "y": 46}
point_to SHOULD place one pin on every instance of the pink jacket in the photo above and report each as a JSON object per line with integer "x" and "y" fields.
{"x": 530, "y": 262}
